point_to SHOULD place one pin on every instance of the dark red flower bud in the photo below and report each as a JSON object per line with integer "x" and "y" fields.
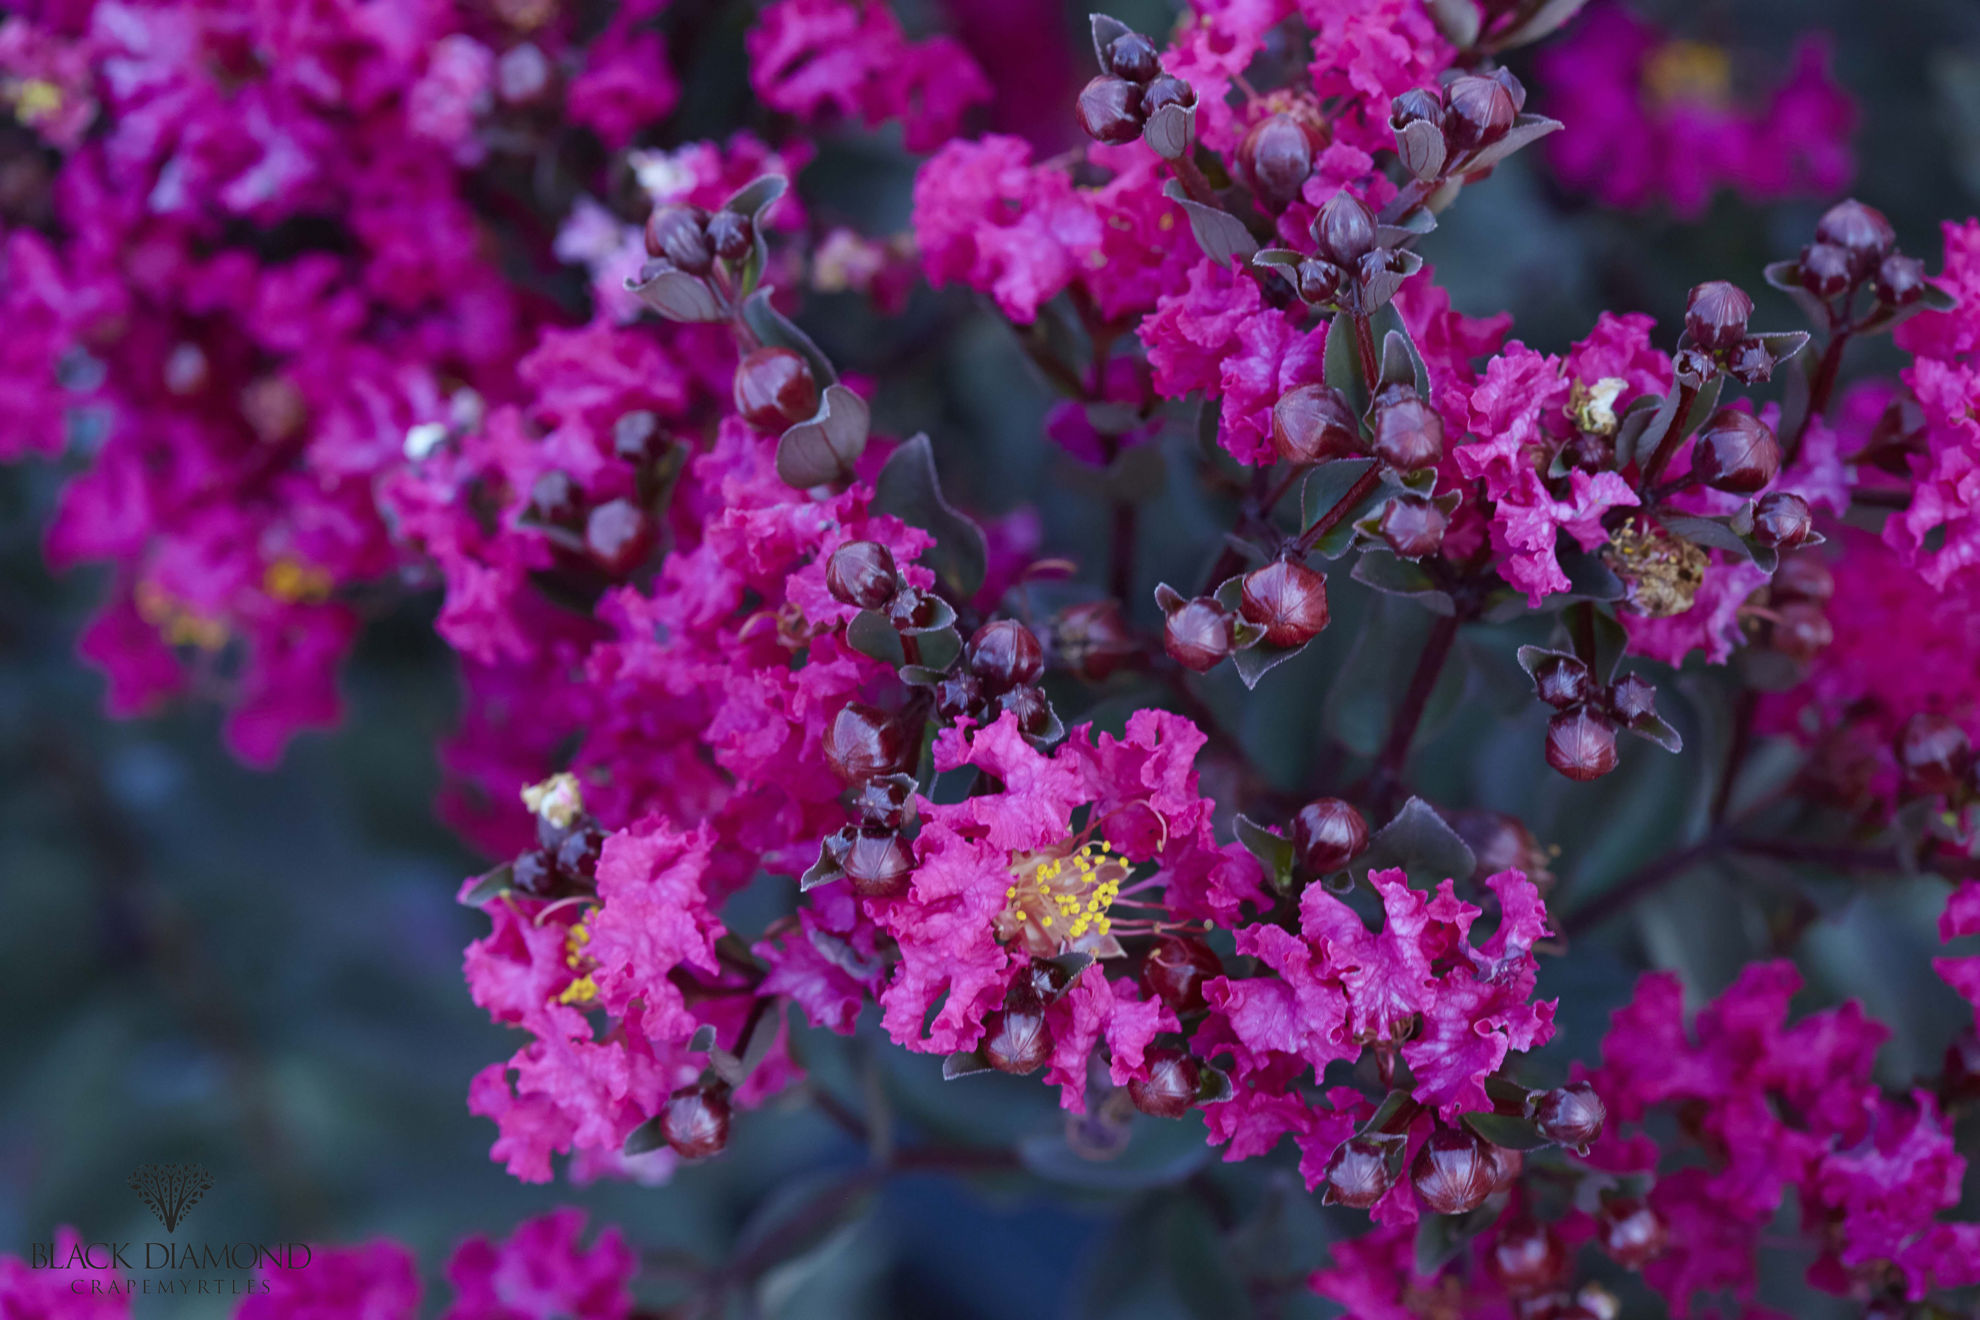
{"x": 679, "y": 235}
{"x": 1170, "y": 1087}
{"x": 1933, "y": 752}
{"x": 862, "y": 574}
{"x": 1287, "y": 599}
{"x": 555, "y": 498}
{"x": 1319, "y": 281}
{"x": 695, "y": 1121}
{"x": 1900, "y": 280}
{"x": 1800, "y": 631}
{"x": 1630, "y": 697}
{"x": 1029, "y": 705}
{"x": 1358, "y": 1174}
{"x": 1453, "y": 1171}
{"x": 1004, "y": 654}
{"x": 1527, "y": 1259}
{"x": 775, "y": 389}
{"x": 1571, "y": 1114}
{"x": 1480, "y": 112}
{"x": 1500, "y": 843}
{"x": 1782, "y": 519}
{"x": 731, "y": 235}
{"x": 1581, "y": 744}
{"x": 577, "y": 855}
{"x": 1514, "y": 87}
{"x": 1862, "y": 231}
{"x": 1344, "y": 229}
{"x": 1589, "y": 452}
{"x": 1750, "y": 363}
{"x": 1328, "y": 834}
{"x": 863, "y": 741}
{"x": 1506, "y": 1165}
{"x": 1735, "y": 452}
{"x": 638, "y": 438}
{"x": 1959, "y": 1079}
{"x": 1199, "y": 634}
{"x": 1418, "y": 105}
{"x": 1804, "y": 577}
{"x": 959, "y": 695}
{"x": 1093, "y": 639}
{"x": 619, "y": 536}
{"x": 1275, "y": 158}
{"x": 877, "y": 863}
{"x": 1166, "y": 91}
{"x": 1562, "y": 681}
{"x": 1311, "y": 423}
{"x": 1175, "y": 970}
{"x": 882, "y": 803}
{"x": 1716, "y": 315}
{"x": 1016, "y": 1040}
{"x": 1826, "y": 270}
{"x": 1409, "y": 435}
{"x": 1133, "y": 57}
{"x": 1412, "y": 526}
{"x": 534, "y": 873}
{"x": 1631, "y": 1232}
{"x": 1110, "y": 110}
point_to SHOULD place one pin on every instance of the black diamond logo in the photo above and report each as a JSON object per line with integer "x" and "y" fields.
{"x": 170, "y": 1190}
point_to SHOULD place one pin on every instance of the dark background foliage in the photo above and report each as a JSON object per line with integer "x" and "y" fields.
{"x": 261, "y": 971}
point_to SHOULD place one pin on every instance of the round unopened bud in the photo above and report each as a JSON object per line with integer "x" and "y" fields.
{"x": 1900, "y": 280}
{"x": 1175, "y": 970}
{"x": 959, "y": 695}
{"x": 1198, "y": 635}
{"x": 1782, "y": 519}
{"x": 1327, "y": 834}
{"x": 862, "y": 574}
{"x": 731, "y": 234}
{"x": 1571, "y": 1114}
{"x": 1527, "y": 1259}
{"x": 555, "y": 498}
{"x": 1030, "y": 708}
{"x": 1409, "y": 435}
{"x": 1358, "y": 1174}
{"x": 1632, "y": 696}
{"x": 1287, "y": 599}
{"x": 1275, "y": 158}
{"x": 1800, "y": 631}
{"x": 1750, "y": 362}
{"x": 1562, "y": 681}
{"x": 1581, "y": 744}
{"x": 1093, "y": 639}
{"x": 1166, "y": 91}
{"x": 1862, "y": 231}
{"x": 1133, "y": 57}
{"x": 1514, "y": 87}
{"x": 883, "y": 804}
{"x": 1631, "y": 1232}
{"x": 1480, "y": 111}
{"x": 1418, "y": 105}
{"x": 1170, "y": 1087}
{"x": 1016, "y": 1040}
{"x": 863, "y": 741}
{"x": 775, "y": 389}
{"x": 1933, "y": 752}
{"x": 1110, "y": 111}
{"x": 1345, "y": 229}
{"x": 877, "y": 863}
{"x": 1004, "y": 654}
{"x": 1311, "y": 423}
{"x": 679, "y": 235}
{"x": 1803, "y": 577}
{"x": 619, "y": 535}
{"x": 1318, "y": 281}
{"x": 1716, "y": 315}
{"x": 1453, "y": 1171}
{"x": 695, "y": 1121}
{"x": 1412, "y": 526}
{"x": 1735, "y": 452}
{"x": 1826, "y": 270}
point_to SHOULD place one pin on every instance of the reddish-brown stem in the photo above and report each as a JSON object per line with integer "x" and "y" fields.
{"x": 1327, "y": 521}
{"x": 1668, "y": 446}
{"x": 1402, "y": 731}
{"x": 1364, "y": 348}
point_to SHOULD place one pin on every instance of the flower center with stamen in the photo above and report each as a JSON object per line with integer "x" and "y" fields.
{"x": 1663, "y": 572}
{"x": 1060, "y": 899}
{"x": 1689, "y": 73}
{"x": 1593, "y": 407}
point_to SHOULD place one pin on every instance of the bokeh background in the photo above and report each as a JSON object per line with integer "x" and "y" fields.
{"x": 260, "y": 971}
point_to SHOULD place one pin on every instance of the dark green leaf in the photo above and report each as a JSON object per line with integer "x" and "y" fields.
{"x": 1550, "y": 17}
{"x": 1786, "y": 276}
{"x": 645, "y": 1138}
{"x": 872, "y": 633}
{"x": 1277, "y": 257}
{"x": 1507, "y": 1094}
{"x": 1653, "y": 728}
{"x": 1383, "y": 570}
{"x": 1171, "y": 131}
{"x": 776, "y": 331}
{"x": 1440, "y": 1238}
{"x": 824, "y": 449}
{"x": 1526, "y": 130}
{"x": 1221, "y": 235}
{"x": 962, "y": 1063}
{"x": 1420, "y": 842}
{"x": 908, "y": 488}
{"x": 1106, "y": 29}
{"x": 1385, "y": 1114}
{"x": 1273, "y": 851}
{"x": 677, "y": 295}
{"x": 1457, "y": 21}
{"x": 937, "y": 648}
{"x": 703, "y": 1039}
{"x": 491, "y": 884}
{"x": 1254, "y": 662}
{"x": 1506, "y": 1131}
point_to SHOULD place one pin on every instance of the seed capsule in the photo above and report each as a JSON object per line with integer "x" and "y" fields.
{"x": 775, "y": 389}
{"x": 555, "y": 498}
{"x": 1166, "y": 91}
{"x": 1933, "y": 752}
{"x": 1631, "y": 1232}
{"x": 1804, "y": 578}
{"x": 862, "y": 574}
{"x": 1862, "y": 231}
{"x": 1092, "y": 639}
{"x": 1900, "y": 280}
{"x": 1782, "y": 519}
{"x": 1287, "y": 599}
{"x": 1527, "y": 1259}
{"x": 1276, "y": 157}
{"x": 1453, "y": 1172}
{"x": 695, "y": 1121}
{"x": 1418, "y": 105}
{"x": 1016, "y": 1041}
{"x": 1319, "y": 281}
{"x": 1412, "y": 526}
{"x": 1344, "y": 229}
{"x": 1170, "y": 1088}
{"x": 1581, "y": 744}
{"x": 1004, "y": 654}
{"x": 877, "y": 863}
{"x": 1481, "y": 111}
{"x": 1631, "y": 696}
{"x": 1409, "y": 435}
{"x": 1133, "y": 57}
{"x": 1358, "y": 1174}
{"x": 1562, "y": 681}
{"x": 1735, "y": 452}
{"x": 1198, "y": 635}
{"x": 1826, "y": 270}
{"x": 1312, "y": 423}
{"x": 619, "y": 535}
{"x": 863, "y": 741}
{"x": 679, "y": 235}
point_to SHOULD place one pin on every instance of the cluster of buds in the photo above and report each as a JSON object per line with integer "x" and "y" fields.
{"x": 1357, "y": 263}
{"x": 1280, "y": 605}
{"x": 615, "y": 536}
{"x": 564, "y": 862}
{"x": 1855, "y": 250}
{"x": 1174, "y": 971}
{"x": 1132, "y": 97}
{"x": 1276, "y": 157}
{"x": 1442, "y": 131}
{"x": 690, "y": 239}
{"x": 1581, "y": 735}
{"x": 1935, "y": 756}
{"x": 1092, "y": 640}
{"x": 1717, "y": 338}
{"x": 1001, "y": 665}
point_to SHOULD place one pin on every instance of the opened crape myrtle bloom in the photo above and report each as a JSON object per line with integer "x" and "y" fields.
{"x": 1221, "y": 788}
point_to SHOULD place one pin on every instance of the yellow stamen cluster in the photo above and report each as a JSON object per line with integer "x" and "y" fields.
{"x": 35, "y": 99}
{"x": 1663, "y": 572}
{"x": 178, "y": 623}
{"x": 583, "y": 990}
{"x": 1060, "y": 898}
{"x": 558, "y": 799}
{"x": 293, "y": 581}
{"x": 1689, "y": 73}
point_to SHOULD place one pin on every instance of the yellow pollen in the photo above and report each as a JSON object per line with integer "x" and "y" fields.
{"x": 36, "y": 99}
{"x": 292, "y": 581}
{"x": 1689, "y": 73}
{"x": 1061, "y": 899}
{"x": 584, "y": 989}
